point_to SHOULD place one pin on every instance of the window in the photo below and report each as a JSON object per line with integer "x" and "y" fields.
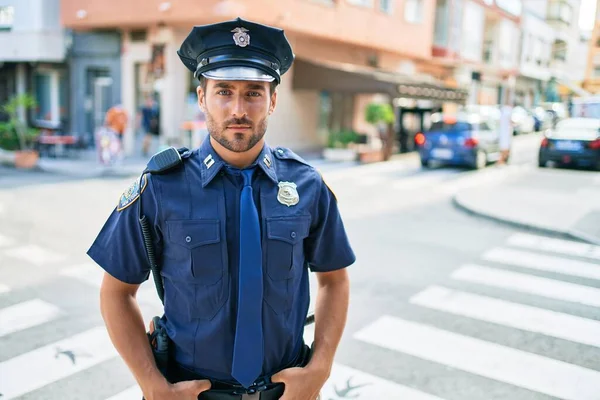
{"x": 385, "y": 6}
{"x": 560, "y": 11}
{"x": 363, "y": 3}
{"x": 596, "y": 73}
{"x": 413, "y": 11}
{"x": 7, "y": 17}
{"x": 50, "y": 89}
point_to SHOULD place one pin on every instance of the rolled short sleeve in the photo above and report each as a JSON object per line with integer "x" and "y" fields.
{"x": 327, "y": 246}
{"x": 119, "y": 248}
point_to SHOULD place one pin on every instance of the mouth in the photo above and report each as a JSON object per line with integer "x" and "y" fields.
{"x": 239, "y": 127}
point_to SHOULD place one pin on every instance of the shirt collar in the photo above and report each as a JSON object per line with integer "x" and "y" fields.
{"x": 211, "y": 162}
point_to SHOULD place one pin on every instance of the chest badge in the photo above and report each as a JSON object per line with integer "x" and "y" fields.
{"x": 241, "y": 37}
{"x": 288, "y": 195}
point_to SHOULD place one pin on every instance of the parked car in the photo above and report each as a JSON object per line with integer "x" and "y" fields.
{"x": 464, "y": 139}
{"x": 574, "y": 141}
{"x": 523, "y": 121}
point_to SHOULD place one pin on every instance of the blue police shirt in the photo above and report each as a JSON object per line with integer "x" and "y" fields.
{"x": 194, "y": 212}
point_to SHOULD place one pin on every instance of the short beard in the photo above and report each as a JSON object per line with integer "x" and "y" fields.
{"x": 240, "y": 143}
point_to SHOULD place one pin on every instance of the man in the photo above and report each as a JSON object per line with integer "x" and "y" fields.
{"x": 236, "y": 229}
{"x": 149, "y": 121}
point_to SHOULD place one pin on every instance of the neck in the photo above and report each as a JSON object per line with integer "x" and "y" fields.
{"x": 238, "y": 160}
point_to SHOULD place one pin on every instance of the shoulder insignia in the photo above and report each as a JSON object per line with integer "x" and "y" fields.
{"x": 132, "y": 193}
{"x": 286, "y": 154}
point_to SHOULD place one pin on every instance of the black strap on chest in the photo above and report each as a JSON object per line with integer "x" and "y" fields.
{"x": 160, "y": 163}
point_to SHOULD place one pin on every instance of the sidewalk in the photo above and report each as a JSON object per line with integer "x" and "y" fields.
{"x": 553, "y": 201}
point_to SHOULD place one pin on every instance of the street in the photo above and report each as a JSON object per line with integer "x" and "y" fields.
{"x": 444, "y": 304}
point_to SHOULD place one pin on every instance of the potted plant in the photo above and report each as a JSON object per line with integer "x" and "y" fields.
{"x": 339, "y": 146}
{"x": 382, "y": 116}
{"x": 16, "y": 136}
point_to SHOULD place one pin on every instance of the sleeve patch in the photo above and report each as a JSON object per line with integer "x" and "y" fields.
{"x": 132, "y": 193}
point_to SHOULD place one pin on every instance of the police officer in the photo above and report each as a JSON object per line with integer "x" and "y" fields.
{"x": 235, "y": 228}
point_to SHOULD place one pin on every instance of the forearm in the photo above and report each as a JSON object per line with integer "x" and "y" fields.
{"x": 126, "y": 329}
{"x": 330, "y": 320}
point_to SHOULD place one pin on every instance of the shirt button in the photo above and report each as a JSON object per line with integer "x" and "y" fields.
{"x": 293, "y": 235}
{"x": 188, "y": 239}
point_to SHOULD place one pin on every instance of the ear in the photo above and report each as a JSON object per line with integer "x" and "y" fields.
{"x": 273, "y": 102}
{"x": 201, "y": 98}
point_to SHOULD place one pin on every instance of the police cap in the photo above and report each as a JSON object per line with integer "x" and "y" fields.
{"x": 237, "y": 50}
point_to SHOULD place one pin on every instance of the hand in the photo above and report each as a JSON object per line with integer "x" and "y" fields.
{"x": 185, "y": 390}
{"x": 300, "y": 383}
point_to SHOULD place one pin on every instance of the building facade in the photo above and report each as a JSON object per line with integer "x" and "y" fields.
{"x": 342, "y": 63}
{"x": 33, "y": 48}
{"x": 592, "y": 71}
{"x": 477, "y": 38}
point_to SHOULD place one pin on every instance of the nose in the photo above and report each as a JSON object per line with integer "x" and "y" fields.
{"x": 238, "y": 107}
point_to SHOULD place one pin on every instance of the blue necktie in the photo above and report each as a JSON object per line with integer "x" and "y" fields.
{"x": 248, "y": 349}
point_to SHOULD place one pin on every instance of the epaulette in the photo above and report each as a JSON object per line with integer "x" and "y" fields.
{"x": 166, "y": 160}
{"x": 286, "y": 154}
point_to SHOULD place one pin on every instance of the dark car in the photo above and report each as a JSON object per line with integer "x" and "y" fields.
{"x": 574, "y": 142}
{"x": 466, "y": 140}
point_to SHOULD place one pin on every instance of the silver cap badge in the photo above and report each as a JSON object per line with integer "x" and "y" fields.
{"x": 241, "y": 37}
{"x": 288, "y": 194}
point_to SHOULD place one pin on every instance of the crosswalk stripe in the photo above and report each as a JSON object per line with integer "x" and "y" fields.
{"x": 358, "y": 384}
{"x": 26, "y": 315}
{"x": 524, "y": 283}
{"x": 34, "y": 254}
{"x": 533, "y": 319}
{"x": 92, "y": 274}
{"x": 516, "y": 367}
{"x": 543, "y": 262}
{"x": 567, "y": 247}
{"x": 133, "y": 393}
{"x": 42, "y": 366}
{"x": 346, "y": 382}
{"x": 4, "y": 288}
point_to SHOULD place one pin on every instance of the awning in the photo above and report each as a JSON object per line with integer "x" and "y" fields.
{"x": 352, "y": 79}
{"x": 574, "y": 88}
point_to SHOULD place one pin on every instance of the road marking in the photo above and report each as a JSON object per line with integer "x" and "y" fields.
{"x": 346, "y": 382}
{"x": 553, "y": 245}
{"x": 516, "y": 367}
{"x": 533, "y": 319}
{"x": 133, "y": 393}
{"x": 88, "y": 273}
{"x": 35, "y": 254}
{"x": 528, "y": 284}
{"x": 543, "y": 263}
{"x": 40, "y": 367}
{"x": 92, "y": 274}
{"x": 6, "y": 242}
{"x": 4, "y": 288}
{"x": 26, "y": 315}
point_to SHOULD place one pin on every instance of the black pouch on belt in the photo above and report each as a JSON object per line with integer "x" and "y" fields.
{"x": 160, "y": 344}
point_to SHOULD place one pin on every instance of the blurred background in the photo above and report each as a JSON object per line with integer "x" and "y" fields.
{"x": 461, "y": 137}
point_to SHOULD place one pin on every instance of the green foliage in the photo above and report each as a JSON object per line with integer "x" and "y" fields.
{"x": 379, "y": 112}
{"x": 14, "y": 134}
{"x": 342, "y": 139}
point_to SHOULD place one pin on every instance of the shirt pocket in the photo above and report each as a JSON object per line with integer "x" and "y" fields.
{"x": 284, "y": 258}
{"x": 194, "y": 268}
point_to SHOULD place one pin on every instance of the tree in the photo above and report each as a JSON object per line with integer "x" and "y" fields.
{"x": 382, "y": 116}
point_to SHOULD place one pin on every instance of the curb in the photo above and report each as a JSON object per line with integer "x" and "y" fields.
{"x": 569, "y": 234}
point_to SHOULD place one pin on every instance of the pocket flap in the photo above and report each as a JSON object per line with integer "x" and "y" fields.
{"x": 194, "y": 233}
{"x": 288, "y": 229}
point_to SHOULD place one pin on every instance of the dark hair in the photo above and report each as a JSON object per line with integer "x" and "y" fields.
{"x": 203, "y": 82}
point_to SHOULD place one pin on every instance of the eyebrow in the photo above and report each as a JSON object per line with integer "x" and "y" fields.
{"x": 250, "y": 86}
